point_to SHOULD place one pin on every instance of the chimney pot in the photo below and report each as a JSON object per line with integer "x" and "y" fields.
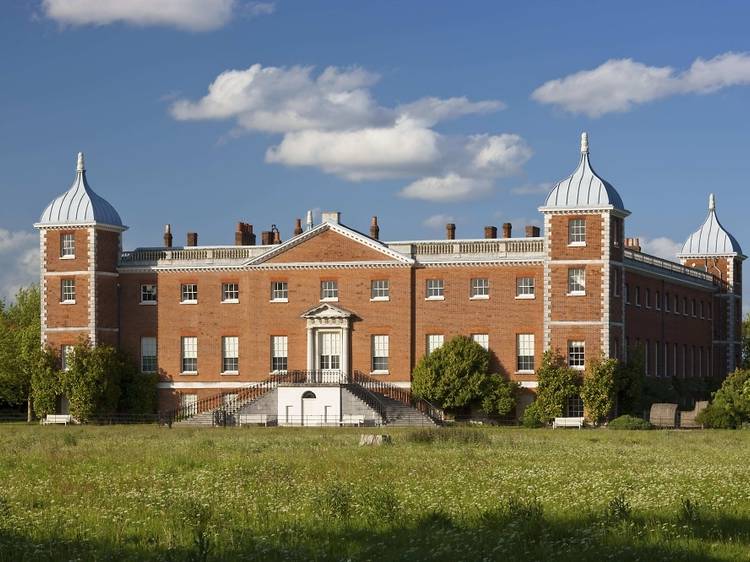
{"x": 374, "y": 228}
{"x": 532, "y": 231}
{"x": 490, "y": 232}
{"x": 192, "y": 238}
{"x": 507, "y": 230}
{"x": 297, "y": 227}
{"x": 167, "y": 235}
{"x": 450, "y": 231}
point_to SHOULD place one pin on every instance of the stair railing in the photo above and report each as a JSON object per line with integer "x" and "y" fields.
{"x": 403, "y": 395}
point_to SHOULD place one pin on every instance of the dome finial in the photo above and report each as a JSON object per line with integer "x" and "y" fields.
{"x": 80, "y": 167}
{"x": 711, "y": 202}
{"x": 584, "y": 143}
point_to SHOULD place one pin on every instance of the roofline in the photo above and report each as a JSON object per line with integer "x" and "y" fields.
{"x": 713, "y": 255}
{"x": 556, "y": 209}
{"x": 62, "y": 225}
{"x": 436, "y": 240}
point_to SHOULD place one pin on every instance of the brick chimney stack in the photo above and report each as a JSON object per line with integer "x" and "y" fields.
{"x": 374, "y": 229}
{"x": 490, "y": 232}
{"x": 266, "y": 237}
{"x": 244, "y": 235}
{"x": 450, "y": 231}
{"x": 532, "y": 231}
{"x": 167, "y": 235}
{"x": 507, "y": 229}
{"x": 192, "y": 238}
{"x": 633, "y": 244}
{"x": 297, "y": 227}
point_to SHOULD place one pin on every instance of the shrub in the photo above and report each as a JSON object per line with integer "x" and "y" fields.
{"x": 459, "y": 435}
{"x": 618, "y": 509}
{"x": 46, "y": 385}
{"x": 499, "y": 396}
{"x": 730, "y": 407}
{"x": 557, "y": 383}
{"x": 598, "y": 390}
{"x": 532, "y": 416}
{"x": 629, "y": 422}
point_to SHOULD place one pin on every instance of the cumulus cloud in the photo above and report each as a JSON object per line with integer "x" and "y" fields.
{"x": 619, "y": 84}
{"x": 255, "y": 9}
{"x": 662, "y": 247}
{"x": 192, "y": 15}
{"x": 438, "y": 221}
{"x": 541, "y": 188}
{"x": 330, "y": 120}
{"x": 19, "y": 261}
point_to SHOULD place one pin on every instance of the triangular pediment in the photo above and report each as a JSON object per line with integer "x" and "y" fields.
{"x": 326, "y": 311}
{"x": 330, "y": 243}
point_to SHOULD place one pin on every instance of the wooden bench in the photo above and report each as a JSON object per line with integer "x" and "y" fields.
{"x": 567, "y": 422}
{"x": 57, "y": 418}
{"x": 253, "y": 419}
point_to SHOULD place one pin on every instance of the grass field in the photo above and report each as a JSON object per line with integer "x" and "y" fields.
{"x": 148, "y": 493}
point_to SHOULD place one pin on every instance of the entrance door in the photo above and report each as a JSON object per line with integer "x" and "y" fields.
{"x": 329, "y": 355}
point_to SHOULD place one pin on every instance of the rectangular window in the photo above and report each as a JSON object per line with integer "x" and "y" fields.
{"x": 637, "y": 296}
{"x": 65, "y": 352}
{"x": 576, "y": 354}
{"x": 435, "y": 289}
{"x": 702, "y": 310}
{"x": 646, "y": 354}
{"x": 657, "y": 369}
{"x": 68, "y": 290}
{"x": 615, "y": 282}
{"x": 433, "y": 342}
{"x": 230, "y": 292}
{"x": 68, "y": 246}
{"x": 189, "y": 293}
{"x": 666, "y": 302}
{"x": 576, "y": 281}
{"x": 230, "y": 354}
{"x": 329, "y": 290}
{"x": 482, "y": 339}
{"x": 574, "y": 407}
{"x": 524, "y": 287}
{"x": 676, "y": 304}
{"x": 674, "y": 360}
{"x": 280, "y": 291}
{"x": 380, "y": 354}
{"x": 693, "y": 311}
{"x": 577, "y": 232}
{"x": 480, "y": 288}
{"x": 148, "y": 355}
{"x": 525, "y": 352}
{"x": 710, "y": 310}
{"x": 657, "y": 301}
{"x": 627, "y": 293}
{"x": 684, "y": 306}
{"x": 279, "y": 353}
{"x": 189, "y": 355}
{"x": 647, "y": 297}
{"x": 380, "y": 290}
{"x": 148, "y": 294}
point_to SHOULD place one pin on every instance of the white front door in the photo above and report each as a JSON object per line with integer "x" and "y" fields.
{"x": 329, "y": 354}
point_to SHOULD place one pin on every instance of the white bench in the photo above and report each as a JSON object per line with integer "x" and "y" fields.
{"x": 57, "y": 418}
{"x": 567, "y": 422}
{"x": 253, "y": 419}
{"x": 353, "y": 419}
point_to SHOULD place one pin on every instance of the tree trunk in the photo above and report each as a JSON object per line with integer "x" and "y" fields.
{"x": 29, "y": 413}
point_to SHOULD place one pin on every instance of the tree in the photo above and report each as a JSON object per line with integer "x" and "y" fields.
{"x": 46, "y": 385}
{"x": 630, "y": 378}
{"x": 746, "y": 342}
{"x": 556, "y": 384}
{"x": 730, "y": 407}
{"x": 20, "y": 349}
{"x": 457, "y": 374}
{"x": 599, "y": 389}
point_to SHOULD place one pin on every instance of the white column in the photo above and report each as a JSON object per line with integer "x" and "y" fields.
{"x": 345, "y": 349}
{"x": 310, "y": 348}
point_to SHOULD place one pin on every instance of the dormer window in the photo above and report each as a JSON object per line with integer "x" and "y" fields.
{"x": 68, "y": 246}
{"x": 577, "y": 232}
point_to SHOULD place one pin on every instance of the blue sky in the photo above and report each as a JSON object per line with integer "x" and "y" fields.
{"x": 417, "y": 112}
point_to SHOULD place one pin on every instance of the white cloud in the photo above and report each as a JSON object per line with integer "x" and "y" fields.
{"x": 255, "y": 9}
{"x": 533, "y": 188}
{"x": 438, "y": 221}
{"x": 331, "y": 121}
{"x": 662, "y": 247}
{"x": 451, "y": 187}
{"x": 619, "y": 84}
{"x": 19, "y": 261}
{"x": 192, "y": 15}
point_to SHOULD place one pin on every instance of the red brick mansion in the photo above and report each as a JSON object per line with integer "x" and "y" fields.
{"x": 332, "y": 301}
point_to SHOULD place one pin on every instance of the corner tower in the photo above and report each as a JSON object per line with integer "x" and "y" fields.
{"x": 80, "y": 239}
{"x": 583, "y": 267}
{"x": 713, "y": 249}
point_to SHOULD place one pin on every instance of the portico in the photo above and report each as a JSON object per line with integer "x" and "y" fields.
{"x": 328, "y": 343}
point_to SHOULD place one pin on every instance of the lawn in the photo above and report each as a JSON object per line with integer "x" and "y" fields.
{"x": 148, "y": 493}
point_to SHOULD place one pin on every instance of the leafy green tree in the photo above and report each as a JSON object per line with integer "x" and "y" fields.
{"x": 746, "y": 342}
{"x": 20, "y": 350}
{"x": 730, "y": 407}
{"x": 599, "y": 389}
{"x": 46, "y": 384}
{"x": 630, "y": 380}
{"x": 556, "y": 384}
{"x": 457, "y": 374}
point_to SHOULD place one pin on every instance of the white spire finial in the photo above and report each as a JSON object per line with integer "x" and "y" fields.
{"x": 711, "y": 202}
{"x": 309, "y": 220}
{"x": 80, "y": 167}
{"x": 584, "y": 143}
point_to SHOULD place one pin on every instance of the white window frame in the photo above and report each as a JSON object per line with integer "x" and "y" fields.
{"x": 380, "y": 353}
{"x": 189, "y": 352}
{"x": 329, "y": 290}
{"x": 577, "y": 354}
{"x": 577, "y": 232}
{"x": 434, "y": 341}
{"x": 149, "y": 355}
{"x": 149, "y": 290}
{"x": 186, "y": 291}
{"x": 525, "y": 363}
{"x": 67, "y": 246}
{"x": 380, "y": 290}
{"x": 230, "y": 293}
{"x": 68, "y": 291}
{"x": 482, "y": 339}
{"x": 230, "y": 355}
{"x": 637, "y": 295}
{"x": 479, "y": 288}
{"x": 279, "y": 291}
{"x": 576, "y": 281}
{"x": 525, "y": 288}
{"x": 279, "y": 354}
{"x": 434, "y": 290}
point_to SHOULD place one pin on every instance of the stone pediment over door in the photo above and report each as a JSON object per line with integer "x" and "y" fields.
{"x": 326, "y": 314}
